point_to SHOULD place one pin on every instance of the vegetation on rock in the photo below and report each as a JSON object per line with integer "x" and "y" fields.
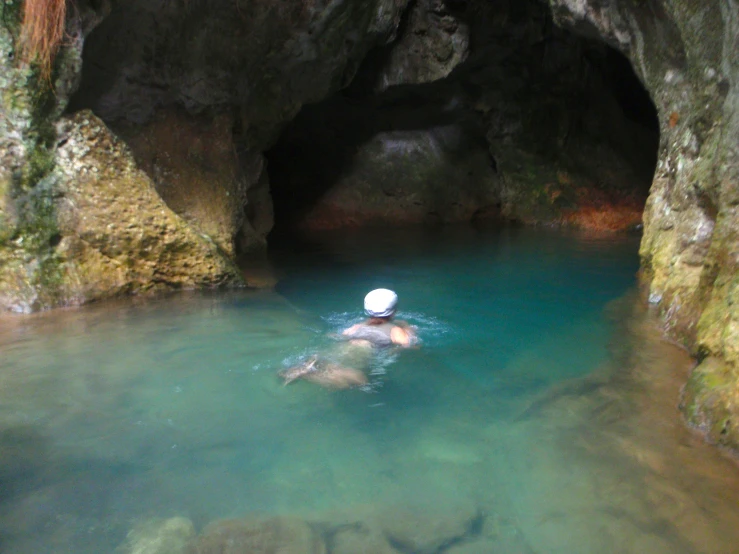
{"x": 42, "y": 32}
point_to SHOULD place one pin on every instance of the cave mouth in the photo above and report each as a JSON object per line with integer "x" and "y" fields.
{"x": 536, "y": 125}
{"x": 474, "y": 112}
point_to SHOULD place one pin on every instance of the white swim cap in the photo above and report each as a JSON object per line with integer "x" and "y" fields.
{"x": 380, "y": 303}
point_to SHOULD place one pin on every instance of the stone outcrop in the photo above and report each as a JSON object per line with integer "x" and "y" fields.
{"x": 195, "y": 165}
{"x": 161, "y": 73}
{"x": 116, "y": 234}
{"x": 388, "y": 165}
{"x": 30, "y": 274}
{"x": 685, "y": 53}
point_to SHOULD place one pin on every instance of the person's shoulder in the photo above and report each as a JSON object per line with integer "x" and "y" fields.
{"x": 401, "y": 336}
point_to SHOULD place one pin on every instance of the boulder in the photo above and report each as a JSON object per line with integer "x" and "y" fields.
{"x": 169, "y": 536}
{"x": 279, "y": 535}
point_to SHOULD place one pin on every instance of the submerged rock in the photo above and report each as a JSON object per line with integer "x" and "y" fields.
{"x": 279, "y": 535}
{"x": 169, "y": 536}
{"x": 429, "y": 530}
{"x": 359, "y": 539}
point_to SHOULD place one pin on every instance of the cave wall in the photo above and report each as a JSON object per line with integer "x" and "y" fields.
{"x": 200, "y": 89}
{"x": 685, "y": 53}
{"x": 81, "y": 213}
{"x": 477, "y": 111}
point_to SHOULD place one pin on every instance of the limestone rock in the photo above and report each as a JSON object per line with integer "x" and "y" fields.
{"x": 400, "y": 177}
{"x": 194, "y": 164}
{"x": 279, "y": 535}
{"x": 116, "y": 233}
{"x": 169, "y": 536}
{"x": 264, "y": 59}
{"x": 424, "y": 530}
{"x": 432, "y": 44}
{"x": 513, "y": 130}
{"x": 685, "y": 53}
{"x": 29, "y": 269}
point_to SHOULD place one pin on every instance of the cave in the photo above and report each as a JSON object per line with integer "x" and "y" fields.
{"x": 545, "y": 193}
{"x": 467, "y": 111}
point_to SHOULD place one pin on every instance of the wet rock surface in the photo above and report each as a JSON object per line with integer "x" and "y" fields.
{"x": 684, "y": 52}
{"x": 170, "y": 536}
{"x": 280, "y": 535}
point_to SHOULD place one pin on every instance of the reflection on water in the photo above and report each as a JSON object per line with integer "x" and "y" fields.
{"x": 539, "y": 416}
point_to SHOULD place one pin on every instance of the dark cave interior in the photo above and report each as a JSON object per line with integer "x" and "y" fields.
{"x": 473, "y": 99}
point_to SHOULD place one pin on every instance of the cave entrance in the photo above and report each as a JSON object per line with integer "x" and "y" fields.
{"x": 474, "y": 111}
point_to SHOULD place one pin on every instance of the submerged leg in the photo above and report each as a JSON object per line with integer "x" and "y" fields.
{"x": 337, "y": 377}
{"x": 296, "y": 372}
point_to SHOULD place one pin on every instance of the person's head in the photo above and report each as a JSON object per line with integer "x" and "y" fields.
{"x": 380, "y": 304}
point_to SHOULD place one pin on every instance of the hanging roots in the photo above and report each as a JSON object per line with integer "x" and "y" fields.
{"x": 42, "y": 32}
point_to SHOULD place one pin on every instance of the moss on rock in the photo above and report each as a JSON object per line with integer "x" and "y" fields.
{"x": 685, "y": 53}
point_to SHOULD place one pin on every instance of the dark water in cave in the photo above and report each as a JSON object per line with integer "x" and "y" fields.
{"x": 538, "y": 415}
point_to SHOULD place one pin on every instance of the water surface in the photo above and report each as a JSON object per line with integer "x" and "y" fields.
{"x": 538, "y": 415}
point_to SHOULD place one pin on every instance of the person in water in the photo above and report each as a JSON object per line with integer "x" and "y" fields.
{"x": 343, "y": 367}
{"x": 380, "y": 330}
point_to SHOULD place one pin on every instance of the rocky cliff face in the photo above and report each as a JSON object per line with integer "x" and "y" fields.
{"x": 685, "y": 53}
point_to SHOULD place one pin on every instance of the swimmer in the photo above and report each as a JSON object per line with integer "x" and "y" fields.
{"x": 340, "y": 368}
{"x": 380, "y": 330}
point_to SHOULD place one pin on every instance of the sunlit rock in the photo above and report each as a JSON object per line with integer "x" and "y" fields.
{"x": 195, "y": 166}
{"x": 116, "y": 234}
{"x": 169, "y": 536}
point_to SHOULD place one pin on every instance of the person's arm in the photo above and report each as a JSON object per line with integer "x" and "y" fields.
{"x": 401, "y": 337}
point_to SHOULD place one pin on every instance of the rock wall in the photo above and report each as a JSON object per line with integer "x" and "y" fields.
{"x": 478, "y": 110}
{"x": 685, "y": 53}
{"x": 199, "y": 89}
{"x": 78, "y": 220}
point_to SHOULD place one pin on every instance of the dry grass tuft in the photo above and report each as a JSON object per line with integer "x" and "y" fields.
{"x": 42, "y": 32}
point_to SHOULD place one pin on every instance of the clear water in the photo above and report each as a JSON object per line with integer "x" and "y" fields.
{"x": 538, "y": 416}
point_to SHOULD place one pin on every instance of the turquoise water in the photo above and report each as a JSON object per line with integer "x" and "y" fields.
{"x": 535, "y": 416}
